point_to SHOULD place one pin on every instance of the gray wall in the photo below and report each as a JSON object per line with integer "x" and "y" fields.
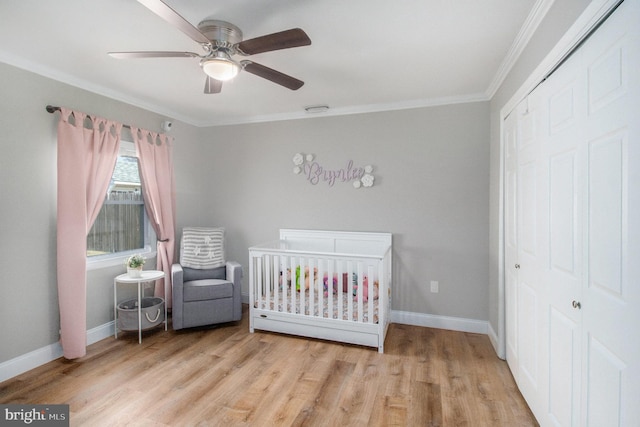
{"x": 431, "y": 192}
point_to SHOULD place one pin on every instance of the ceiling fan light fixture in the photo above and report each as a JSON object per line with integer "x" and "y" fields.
{"x": 220, "y": 67}
{"x": 221, "y": 41}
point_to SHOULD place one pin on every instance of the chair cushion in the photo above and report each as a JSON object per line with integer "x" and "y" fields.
{"x": 207, "y": 289}
{"x": 189, "y": 274}
{"x": 200, "y": 313}
{"x": 202, "y": 247}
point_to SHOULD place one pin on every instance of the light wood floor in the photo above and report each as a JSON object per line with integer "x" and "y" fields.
{"x": 226, "y": 376}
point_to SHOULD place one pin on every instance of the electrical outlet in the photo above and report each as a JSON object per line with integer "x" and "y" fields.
{"x": 434, "y": 286}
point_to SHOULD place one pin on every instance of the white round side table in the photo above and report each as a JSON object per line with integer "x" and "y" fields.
{"x": 146, "y": 276}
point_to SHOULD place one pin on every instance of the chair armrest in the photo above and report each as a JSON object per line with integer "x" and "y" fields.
{"x": 234, "y": 272}
{"x": 177, "y": 295}
{"x": 234, "y": 275}
{"x": 176, "y": 274}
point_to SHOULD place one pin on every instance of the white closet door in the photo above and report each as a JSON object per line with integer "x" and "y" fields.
{"x": 561, "y": 139}
{"x": 532, "y": 292}
{"x": 510, "y": 131}
{"x": 611, "y": 299}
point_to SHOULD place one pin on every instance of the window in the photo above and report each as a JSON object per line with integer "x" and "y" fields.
{"x": 122, "y": 227}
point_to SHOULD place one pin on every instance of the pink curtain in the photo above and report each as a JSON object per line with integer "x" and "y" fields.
{"x": 86, "y": 159}
{"x": 158, "y": 185}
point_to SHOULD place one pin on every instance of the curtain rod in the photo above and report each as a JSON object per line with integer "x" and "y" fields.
{"x": 52, "y": 109}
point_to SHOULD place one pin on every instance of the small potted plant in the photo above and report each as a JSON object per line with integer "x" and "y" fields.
{"x": 134, "y": 265}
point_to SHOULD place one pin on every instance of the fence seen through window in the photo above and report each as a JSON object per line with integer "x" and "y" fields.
{"x": 120, "y": 225}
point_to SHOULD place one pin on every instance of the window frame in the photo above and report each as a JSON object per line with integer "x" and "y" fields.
{"x": 127, "y": 149}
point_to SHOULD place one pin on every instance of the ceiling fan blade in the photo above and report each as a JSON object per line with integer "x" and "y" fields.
{"x": 272, "y": 75}
{"x": 172, "y": 17}
{"x": 276, "y": 41}
{"x": 212, "y": 85}
{"x": 157, "y": 54}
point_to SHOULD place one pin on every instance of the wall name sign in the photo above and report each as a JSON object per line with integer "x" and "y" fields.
{"x": 315, "y": 172}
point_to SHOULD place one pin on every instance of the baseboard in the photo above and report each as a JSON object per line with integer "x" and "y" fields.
{"x": 440, "y": 322}
{"x": 28, "y": 361}
{"x": 100, "y": 332}
{"x": 493, "y": 337}
{"x": 33, "y": 359}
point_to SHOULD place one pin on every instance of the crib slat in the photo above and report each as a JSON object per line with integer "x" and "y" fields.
{"x": 329, "y": 289}
{"x": 311, "y": 301}
{"x": 319, "y": 288}
{"x": 294, "y": 284}
{"x": 314, "y": 267}
{"x": 339, "y": 289}
{"x": 277, "y": 265}
{"x": 326, "y": 291}
{"x": 254, "y": 271}
{"x": 302, "y": 287}
{"x": 360, "y": 291}
{"x": 320, "y": 306}
{"x": 382, "y": 296}
{"x": 316, "y": 289}
{"x": 371, "y": 280}
{"x": 349, "y": 295}
{"x": 268, "y": 280}
{"x": 282, "y": 302}
{"x": 258, "y": 290}
{"x": 276, "y": 269}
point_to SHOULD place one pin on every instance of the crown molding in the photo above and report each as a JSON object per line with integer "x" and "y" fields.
{"x": 79, "y": 83}
{"x": 528, "y": 29}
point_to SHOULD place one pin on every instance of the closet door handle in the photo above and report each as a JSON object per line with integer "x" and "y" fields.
{"x": 517, "y": 266}
{"x": 576, "y": 304}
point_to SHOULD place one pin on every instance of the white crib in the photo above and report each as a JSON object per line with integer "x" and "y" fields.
{"x": 332, "y": 285}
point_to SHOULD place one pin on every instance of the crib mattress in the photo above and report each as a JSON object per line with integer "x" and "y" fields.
{"x": 273, "y": 305}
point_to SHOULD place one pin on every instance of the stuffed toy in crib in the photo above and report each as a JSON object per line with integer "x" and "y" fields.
{"x": 345, "y": 286}
{"x": 306, "y": 277}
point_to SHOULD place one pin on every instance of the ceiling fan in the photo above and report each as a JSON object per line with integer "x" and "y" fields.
{"x": 221, "y": 41}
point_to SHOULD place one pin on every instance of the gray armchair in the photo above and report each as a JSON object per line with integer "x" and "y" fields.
{"x": 205, "y": 296}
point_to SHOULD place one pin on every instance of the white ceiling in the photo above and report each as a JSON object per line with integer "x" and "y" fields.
{"x": 366, "y": 55}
